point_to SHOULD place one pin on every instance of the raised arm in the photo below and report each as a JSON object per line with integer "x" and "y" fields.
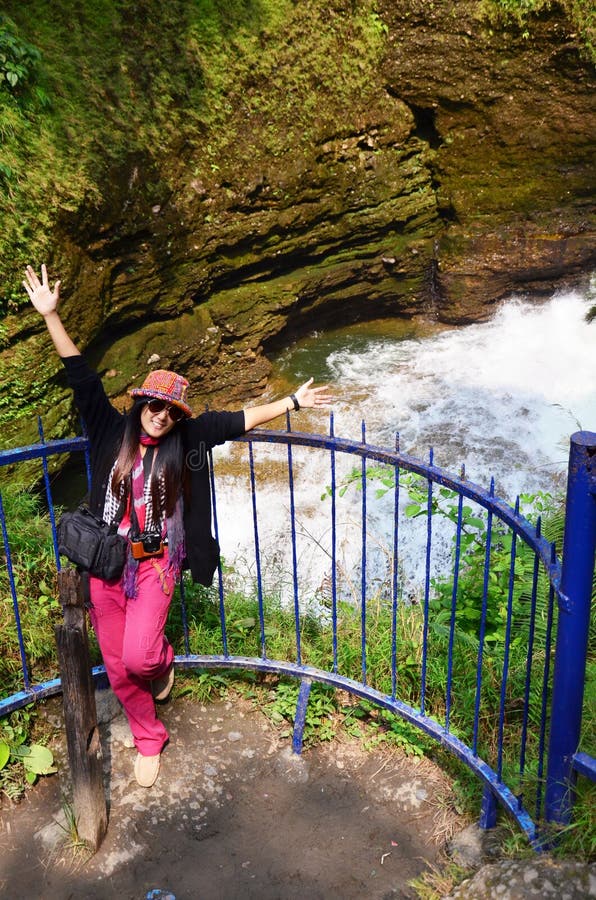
{"x": 45, "y": 302}
{"x": 306, "y": 396}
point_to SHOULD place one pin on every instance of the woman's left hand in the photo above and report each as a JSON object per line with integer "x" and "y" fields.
{"x": 309, "y": 397}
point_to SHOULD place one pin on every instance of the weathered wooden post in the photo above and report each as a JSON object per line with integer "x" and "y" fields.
{"x": 80, "y": 715}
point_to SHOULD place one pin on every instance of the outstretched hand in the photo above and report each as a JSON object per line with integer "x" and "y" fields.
{"x": 309, "y": 398}
{"x": 43, "y": 299}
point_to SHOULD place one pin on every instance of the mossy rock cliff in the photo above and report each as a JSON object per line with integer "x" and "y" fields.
{"x": 211, "y": 180}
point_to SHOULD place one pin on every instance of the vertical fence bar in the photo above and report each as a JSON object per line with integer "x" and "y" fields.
{"x": 544, "y": 701}
{"x": 579, "y": 547}
{"x": 333, "y": 547}
{"x": 363, "y": 582}
{"x": 505, "y": 674}
{"x": 395, "y": 578}
{"x": 489, "y": 525}
{"x": 294, "y": 554}
{"x": 220, "y": 587}
{"x": 46, "y": 481}
{"x": 13, "y": 594}
{"x": 300, "y": 715}
{"x": 253, "y": 492}
{"x": 429, "y": 532}
{"x": 184, "y": 615}
{"x": 456, "y": 564}
{"x": 529, "y": 659}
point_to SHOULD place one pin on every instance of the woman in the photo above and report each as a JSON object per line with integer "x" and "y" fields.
{"x": 149, "y": 474}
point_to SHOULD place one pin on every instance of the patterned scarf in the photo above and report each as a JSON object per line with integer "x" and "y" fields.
{"x": 171, "y": 528}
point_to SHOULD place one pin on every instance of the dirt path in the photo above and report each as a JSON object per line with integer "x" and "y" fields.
{"x": 233, "y": 815}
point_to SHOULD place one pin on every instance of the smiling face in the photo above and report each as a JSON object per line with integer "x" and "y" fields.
{"x": 156, "y": 425}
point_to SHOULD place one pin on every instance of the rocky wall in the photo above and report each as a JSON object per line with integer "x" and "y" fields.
{"x": 463, "y": 173}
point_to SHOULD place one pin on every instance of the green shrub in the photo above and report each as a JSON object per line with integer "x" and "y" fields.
{"x": 18, "y": 60}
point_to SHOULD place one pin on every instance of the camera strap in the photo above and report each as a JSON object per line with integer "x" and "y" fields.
{"x": 148, "y": 462}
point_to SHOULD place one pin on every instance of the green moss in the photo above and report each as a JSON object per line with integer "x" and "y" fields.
{"x": 126, "y": 359}
{"x": 581, "y": 15}
{"x": 119, "y": 81}
{"x": 250, "y": 158}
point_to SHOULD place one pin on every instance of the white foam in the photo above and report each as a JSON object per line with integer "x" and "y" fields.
{"x": 501, "y": 396}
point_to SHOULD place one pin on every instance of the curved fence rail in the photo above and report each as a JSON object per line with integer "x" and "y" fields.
{"x": 430, "y": 596}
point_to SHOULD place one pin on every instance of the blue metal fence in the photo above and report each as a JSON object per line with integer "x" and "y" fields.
{"x": 520, "y": 627}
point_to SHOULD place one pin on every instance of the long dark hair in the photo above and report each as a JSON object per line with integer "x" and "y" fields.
{"x": 169, "y": 463}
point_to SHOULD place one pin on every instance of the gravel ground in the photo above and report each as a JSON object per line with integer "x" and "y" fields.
{"x": 234, "y": 814}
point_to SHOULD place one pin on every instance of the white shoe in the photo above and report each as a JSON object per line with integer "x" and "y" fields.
{"x": 147, "y": 769}
{"x": 161, "y": 687}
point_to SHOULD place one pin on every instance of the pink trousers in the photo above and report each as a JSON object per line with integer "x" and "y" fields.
{"x": 134, "y": 647}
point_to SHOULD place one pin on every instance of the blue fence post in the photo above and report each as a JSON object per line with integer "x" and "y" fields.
{"x": 579, "y": 547}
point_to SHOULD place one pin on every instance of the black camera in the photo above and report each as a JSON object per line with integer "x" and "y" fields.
{"x": 148, "y": 543}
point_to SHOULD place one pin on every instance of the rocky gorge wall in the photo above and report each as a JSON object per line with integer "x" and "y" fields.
{"x": 455, "y": 168}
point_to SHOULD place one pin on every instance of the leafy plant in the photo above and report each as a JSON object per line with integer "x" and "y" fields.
{"x": 203, "y": 686}
{"x": 320, "y": 724}
{"x": 378, "y": 726}
{"x": 18, "y": 59}
{"x": 581, "y": 15}
{"x": 18, "y": 759}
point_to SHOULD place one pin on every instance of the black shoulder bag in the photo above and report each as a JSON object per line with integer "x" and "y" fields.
{"x": 92, "y": 544}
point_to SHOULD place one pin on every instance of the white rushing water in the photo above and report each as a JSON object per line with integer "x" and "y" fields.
{"x": 502, "y": 396}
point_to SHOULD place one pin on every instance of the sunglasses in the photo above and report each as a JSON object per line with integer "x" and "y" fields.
{"x": 157, "y": 406}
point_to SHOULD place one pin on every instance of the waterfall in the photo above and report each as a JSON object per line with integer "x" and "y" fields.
{"x": 501, "y": 396}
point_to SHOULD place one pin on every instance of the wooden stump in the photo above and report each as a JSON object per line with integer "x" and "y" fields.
{"x": 80, "y": 715}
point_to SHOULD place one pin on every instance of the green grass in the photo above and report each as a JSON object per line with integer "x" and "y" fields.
{"x": 34, "y": 570}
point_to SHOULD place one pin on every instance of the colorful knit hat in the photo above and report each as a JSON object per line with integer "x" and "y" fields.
{"x": 166, "y": 386}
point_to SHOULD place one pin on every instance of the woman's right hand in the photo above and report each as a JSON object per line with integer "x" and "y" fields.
{"x": 43, "y": 299}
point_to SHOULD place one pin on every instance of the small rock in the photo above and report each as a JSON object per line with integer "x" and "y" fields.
{"x": 54, "y": 833}
{"x": 154, "y": 358}
{"x": 292, "y": 767}
{"x": 107, "y": 706}
{"x": 525, "y": 879}
{"x": 234, "y": 736}
{"x": 474, "y": 845}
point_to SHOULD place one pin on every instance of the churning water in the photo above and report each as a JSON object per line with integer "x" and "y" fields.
{"x": 501, "y": 397}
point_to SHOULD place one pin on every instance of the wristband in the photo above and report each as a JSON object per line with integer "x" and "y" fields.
{"x": 295, "y": 401}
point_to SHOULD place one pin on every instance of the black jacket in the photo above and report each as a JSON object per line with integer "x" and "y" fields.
{"x": 105, "y": 427}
